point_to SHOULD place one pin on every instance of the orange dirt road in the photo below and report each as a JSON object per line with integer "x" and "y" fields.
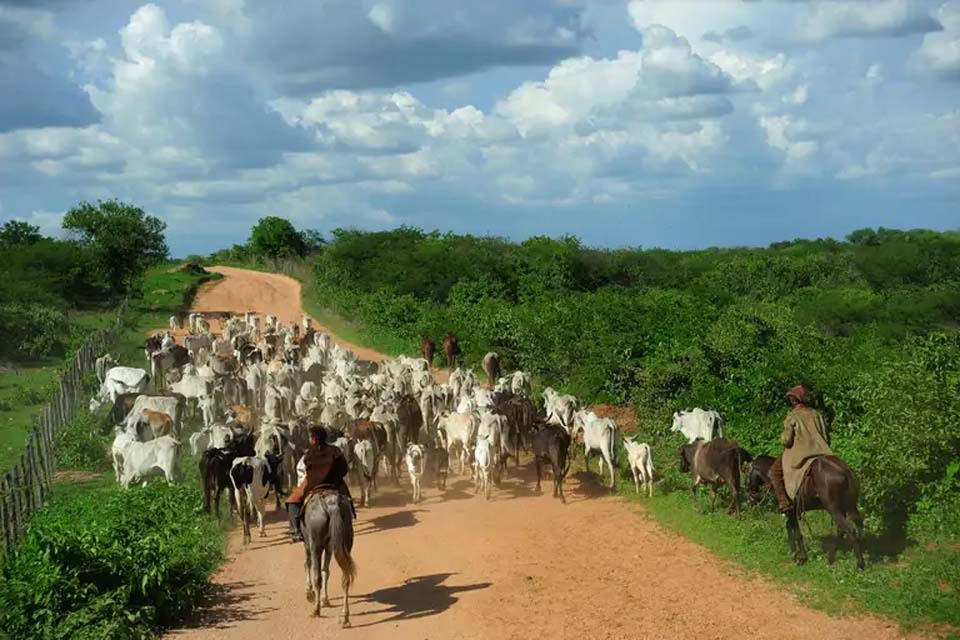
{"x": 521, "y": 565}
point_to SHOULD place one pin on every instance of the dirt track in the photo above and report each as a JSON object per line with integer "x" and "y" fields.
{"x": 519, "y": 566}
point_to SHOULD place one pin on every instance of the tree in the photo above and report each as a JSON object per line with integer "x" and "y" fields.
{"x": 274, "y": 237}
{"x": 122, "y": 239}
{"x": 18, "y": 232}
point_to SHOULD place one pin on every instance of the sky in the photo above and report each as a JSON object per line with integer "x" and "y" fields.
{"x": 667, "y": 123}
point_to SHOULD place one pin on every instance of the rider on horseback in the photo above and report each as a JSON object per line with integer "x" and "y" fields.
{"x": 804, "y": 437}
{"x": 326, "y": 467}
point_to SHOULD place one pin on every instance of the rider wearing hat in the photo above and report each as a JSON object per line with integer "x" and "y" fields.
{"x": 804, "y": 437}
{"x": 325, "y": 466}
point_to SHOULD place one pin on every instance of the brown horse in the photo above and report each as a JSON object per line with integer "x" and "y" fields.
{"x": 451, "y": 348}
{"x": 829, "y": 485}
{"x": 428, "y": 347}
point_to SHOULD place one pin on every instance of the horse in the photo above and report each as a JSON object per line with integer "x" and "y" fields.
{"x": 758, "y": 478}
{"x": 328, "y": 531}
{"x": 829, "y": 485}
{"x": 428, "y": 347}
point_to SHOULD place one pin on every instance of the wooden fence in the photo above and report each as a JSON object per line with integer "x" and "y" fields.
{"x": 26, "y": 487}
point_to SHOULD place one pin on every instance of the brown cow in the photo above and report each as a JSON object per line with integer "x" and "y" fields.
{"x": 428, "y": 348}
{"x": 716, "y": 463}
{"x": 451, "y": 348}
{"x": 160, "y": 424}
{"x": 491, "y": 365}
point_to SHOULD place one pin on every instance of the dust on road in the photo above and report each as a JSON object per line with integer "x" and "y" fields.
{"x": 521, "y": 565}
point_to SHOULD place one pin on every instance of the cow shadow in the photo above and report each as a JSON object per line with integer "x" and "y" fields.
{"x": 588, "y": 485}
{"x": 225, "y": 605}
{"x": 418, "y": 597}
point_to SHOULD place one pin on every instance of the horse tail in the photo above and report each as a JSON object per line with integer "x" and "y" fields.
{"x": 341, "y": 540}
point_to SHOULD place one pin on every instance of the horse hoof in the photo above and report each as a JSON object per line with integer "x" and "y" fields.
{"x": 344, "y": 624}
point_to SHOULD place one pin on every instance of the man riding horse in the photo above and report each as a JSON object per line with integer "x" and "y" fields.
{"x": 326, "y": 468}
{"x": 804, "y": 438}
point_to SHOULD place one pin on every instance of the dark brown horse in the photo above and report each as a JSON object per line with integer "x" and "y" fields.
{"x": 428, "y": 347}
{"x": 829, "y": 485}
{"x": 451, "y": 348}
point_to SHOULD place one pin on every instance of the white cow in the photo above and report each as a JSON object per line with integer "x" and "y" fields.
{"x": 415, "y": 460}
{"x": 117, "y": 381}
{"x": 698, "y": 424}
{"x": 208, "y": 408}
{"x": 362, "y": 469}
{"x": 520, "y": 383}
{"x": 459, "y": 433}
{"x": 640, "y": 458}
{"x": 121, "y": 439}
{"x": 216, "y": 436}
{"x": 559, "y": 408}
{"x": 482, "y": 463}
{"x": 142, "y": 459}
{"x": 599, "y": 434}
{"x": 247, "y": 477}
{"x": 103, "y": 364}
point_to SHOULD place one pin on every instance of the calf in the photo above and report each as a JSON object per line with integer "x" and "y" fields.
{"x": 142, "y": 459}
{"x": 438, "y": 461}
{"x": 482, "y": 463}
{"x": 640, "y": 459}
{"x": 716, "y": 463}
{"x": 415, "y": 460}
{"x": 491, "y": 366}
{"x": 758, "y": 477}
{"x": 551, "y": 445}
{"x": 249, "y": 476}
{"x": 152, "y": 424}
{"x": 451, "y": 349}
{"x": 215, "y": 467}
{"x": 428, "y": 347}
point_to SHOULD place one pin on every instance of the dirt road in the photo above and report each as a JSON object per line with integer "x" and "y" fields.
{"x": 521, "y": 565}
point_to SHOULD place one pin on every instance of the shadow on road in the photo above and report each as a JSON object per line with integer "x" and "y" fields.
{"x": 227, "y": 605}
{"x": 397, "y": 520}
{"x": 416, "y": 598}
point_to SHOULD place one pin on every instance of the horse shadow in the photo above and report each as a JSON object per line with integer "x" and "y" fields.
{"x": 418, "y": 597}
{"x": 386, "y": 522}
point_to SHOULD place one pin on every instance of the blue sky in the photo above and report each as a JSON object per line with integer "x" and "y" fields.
{"x": 665, "y": 123}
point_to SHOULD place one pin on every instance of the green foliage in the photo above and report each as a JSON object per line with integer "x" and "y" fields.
{"x": 110, "y": 563}
{"x": 122, "y": 238}
{"x": 83, "y": 446}
{"x": 31, "y": 329}
{"x": 273, "y": 237}
{"x": 18, "y": 232}
{"x": 868, "y": 324}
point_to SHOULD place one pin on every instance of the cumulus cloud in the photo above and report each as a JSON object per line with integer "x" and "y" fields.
{"x": 862, "y": 18}
{"x": 352, "y": 44}
{"x": 940, "y": 52}
{"x": 733, "y": 34}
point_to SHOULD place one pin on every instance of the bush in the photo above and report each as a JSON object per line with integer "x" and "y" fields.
{"x": 110, "y": 564}
{"x": 83, "y": 446}
{"x": 31, "y": 329}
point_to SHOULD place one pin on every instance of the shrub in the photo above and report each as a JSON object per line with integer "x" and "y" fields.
{"x": 110, "y": 563}
{"x": 31, "y": 329}
{"x": 83, "y": 446}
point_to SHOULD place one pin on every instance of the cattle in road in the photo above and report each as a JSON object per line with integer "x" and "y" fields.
{"x": 551, "y": 445}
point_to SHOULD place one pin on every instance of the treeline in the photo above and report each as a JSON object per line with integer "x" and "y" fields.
{"x": 43, "y": 280}
{"x": 869, "y": 324}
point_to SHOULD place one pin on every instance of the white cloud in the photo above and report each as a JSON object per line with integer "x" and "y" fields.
{"x": 866, "y": 18}
{"x": 786, "y": 134}
{"x": 949, "y": 173}
{"x": 940, "y": 52}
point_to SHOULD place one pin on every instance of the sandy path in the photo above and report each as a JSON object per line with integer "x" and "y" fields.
{"x": 519, "y": 566}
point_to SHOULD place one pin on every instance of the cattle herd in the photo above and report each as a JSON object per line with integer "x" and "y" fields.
{"x": 254, "y": 389}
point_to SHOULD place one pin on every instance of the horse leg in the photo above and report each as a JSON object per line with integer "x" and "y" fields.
{"x": 793, "y": 531}
{"x": 325, "y": 573}
{"x": 693, "y": 490}
{"x": 844, "y": 526}
{"x": 537, "y": 460}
